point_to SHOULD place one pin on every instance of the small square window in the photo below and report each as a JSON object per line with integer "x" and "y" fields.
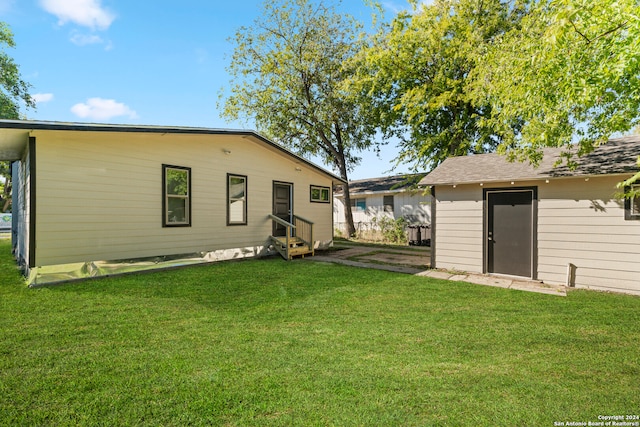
{"x": 236, "y": 199}
{"x": 320, "y": 194}
{"x": 176, "y": 191}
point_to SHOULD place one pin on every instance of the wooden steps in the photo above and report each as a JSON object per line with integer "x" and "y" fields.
{"x": 295, "y": 247}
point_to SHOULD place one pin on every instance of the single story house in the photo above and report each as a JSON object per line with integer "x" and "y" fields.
{"x": 393, "y": 197}
{"x": 94, "y": 199}
{"x": 553, "y": 224}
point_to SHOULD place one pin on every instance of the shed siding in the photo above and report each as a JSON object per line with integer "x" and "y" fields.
{"x": 459, "y": 228}
{"x": 100, "y": 194}
{"x": 579, "y": 222}
{"x": 582, "y": 223}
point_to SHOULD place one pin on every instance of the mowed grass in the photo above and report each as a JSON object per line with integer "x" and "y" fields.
{"x": 302, "y": 343}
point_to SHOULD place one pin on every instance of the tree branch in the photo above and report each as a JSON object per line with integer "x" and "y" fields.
{"x": 599, "y": 36}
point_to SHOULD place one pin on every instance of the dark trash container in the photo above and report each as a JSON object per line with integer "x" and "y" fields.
{"x": 425, "y": 234}
{"x": 414, "y": 235}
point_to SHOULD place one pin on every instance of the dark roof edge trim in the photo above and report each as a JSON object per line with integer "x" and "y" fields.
{"x": 106, "y": 127}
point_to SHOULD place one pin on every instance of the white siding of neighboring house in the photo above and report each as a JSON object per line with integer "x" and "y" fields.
{"x": 579, "y": 222}
{"x": 415, "y": 207}
{"x": 99, "y": 194}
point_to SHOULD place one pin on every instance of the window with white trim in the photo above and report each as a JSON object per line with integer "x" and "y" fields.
{"x": 236, "y": 199}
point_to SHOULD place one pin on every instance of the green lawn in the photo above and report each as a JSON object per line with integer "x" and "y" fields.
{"x": 302, "y": 343}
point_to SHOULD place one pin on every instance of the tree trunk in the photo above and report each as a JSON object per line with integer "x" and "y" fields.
{"x": 348, "y": 213}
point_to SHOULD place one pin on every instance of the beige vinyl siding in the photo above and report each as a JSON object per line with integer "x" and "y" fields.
{"x": 100, "y": 194}
{"x": 459, "y": 228}
{"x": 582, "y": 222}
{"x": 578, "y": 221}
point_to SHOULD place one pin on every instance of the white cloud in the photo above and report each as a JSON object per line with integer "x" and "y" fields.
{"x": 102, "y": 109}
{"x": 396, "y": 7}
{"x": 393, "y": 7}
{"x": 87, "y": 13}
{"x": 40, "y": 98}
{"x": 85, "y": 39}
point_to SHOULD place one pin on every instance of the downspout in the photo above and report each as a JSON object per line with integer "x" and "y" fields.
{"x": 433, "y": 226}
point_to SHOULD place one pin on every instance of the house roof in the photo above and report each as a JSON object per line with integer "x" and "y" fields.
{"x": 385, "y": 184}
{"x": 616, "y": 157}
{"x": 14, "y": 137}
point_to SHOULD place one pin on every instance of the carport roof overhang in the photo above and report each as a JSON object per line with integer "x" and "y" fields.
{"x": 13, "y": 143}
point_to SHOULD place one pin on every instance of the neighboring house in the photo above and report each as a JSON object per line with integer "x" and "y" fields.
{"x": 553, "y": 224}
{"x": 392, "y": 197}
{"x": 93, "y": 200}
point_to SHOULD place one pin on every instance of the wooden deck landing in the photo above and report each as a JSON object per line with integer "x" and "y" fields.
{"x": 296, "y": 247}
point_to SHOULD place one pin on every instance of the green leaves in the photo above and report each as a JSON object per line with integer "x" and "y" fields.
{"x": 287, "y": 74}
{"x": 13, "y": 90}
{"x": 13, "y": 93}
{"x": 570, "y": 74}
{"x": 419, "y": 76}
{"x": 450, "y": 77}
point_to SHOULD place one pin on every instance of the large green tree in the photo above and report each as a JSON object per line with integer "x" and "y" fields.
{"x": 570, "y": 75}
{"x": 288, "y": 71}
{"x": 418, "y": 74}
{"x": 13, "y": 92}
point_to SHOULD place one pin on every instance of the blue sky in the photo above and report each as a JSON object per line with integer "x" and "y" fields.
{"x": 139, "y": 62}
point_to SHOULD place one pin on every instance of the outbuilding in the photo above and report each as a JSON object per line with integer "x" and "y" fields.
{"x": 552, "y": 223}
{"x": 99, "y": 199}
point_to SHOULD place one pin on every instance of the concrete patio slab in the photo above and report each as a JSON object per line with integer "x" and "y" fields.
{"x": 507, "y": 283}
{"x": 410, "y": 261}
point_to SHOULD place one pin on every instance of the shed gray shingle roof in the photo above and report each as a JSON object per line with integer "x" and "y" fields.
{"x": 383, "y": 184}
{"x": 618, "y": 156}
